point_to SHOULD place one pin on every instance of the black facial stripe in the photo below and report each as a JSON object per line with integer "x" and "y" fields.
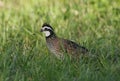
{"x": 47, "y": 29}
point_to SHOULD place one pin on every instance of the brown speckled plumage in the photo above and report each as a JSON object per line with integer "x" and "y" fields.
{"x": 59, "y": 46}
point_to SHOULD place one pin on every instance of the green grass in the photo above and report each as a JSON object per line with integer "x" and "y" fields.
{"x": 94, "y": 24}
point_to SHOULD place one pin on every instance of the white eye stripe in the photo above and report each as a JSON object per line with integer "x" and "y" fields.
{"x": 47, "y": 28}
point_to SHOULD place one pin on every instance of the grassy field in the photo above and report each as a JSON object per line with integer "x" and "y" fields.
{"x": 94, "y": 24}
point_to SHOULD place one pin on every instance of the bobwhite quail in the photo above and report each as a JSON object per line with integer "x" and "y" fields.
{"x": 59, "y": 46}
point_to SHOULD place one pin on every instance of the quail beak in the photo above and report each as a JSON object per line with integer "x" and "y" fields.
{"x": 41, "y": 30}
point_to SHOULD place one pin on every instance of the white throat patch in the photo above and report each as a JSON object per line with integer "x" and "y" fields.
{"x": 47, "y": 33}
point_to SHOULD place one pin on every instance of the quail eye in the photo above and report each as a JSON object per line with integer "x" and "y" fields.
{"x": 45, "y": 28}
